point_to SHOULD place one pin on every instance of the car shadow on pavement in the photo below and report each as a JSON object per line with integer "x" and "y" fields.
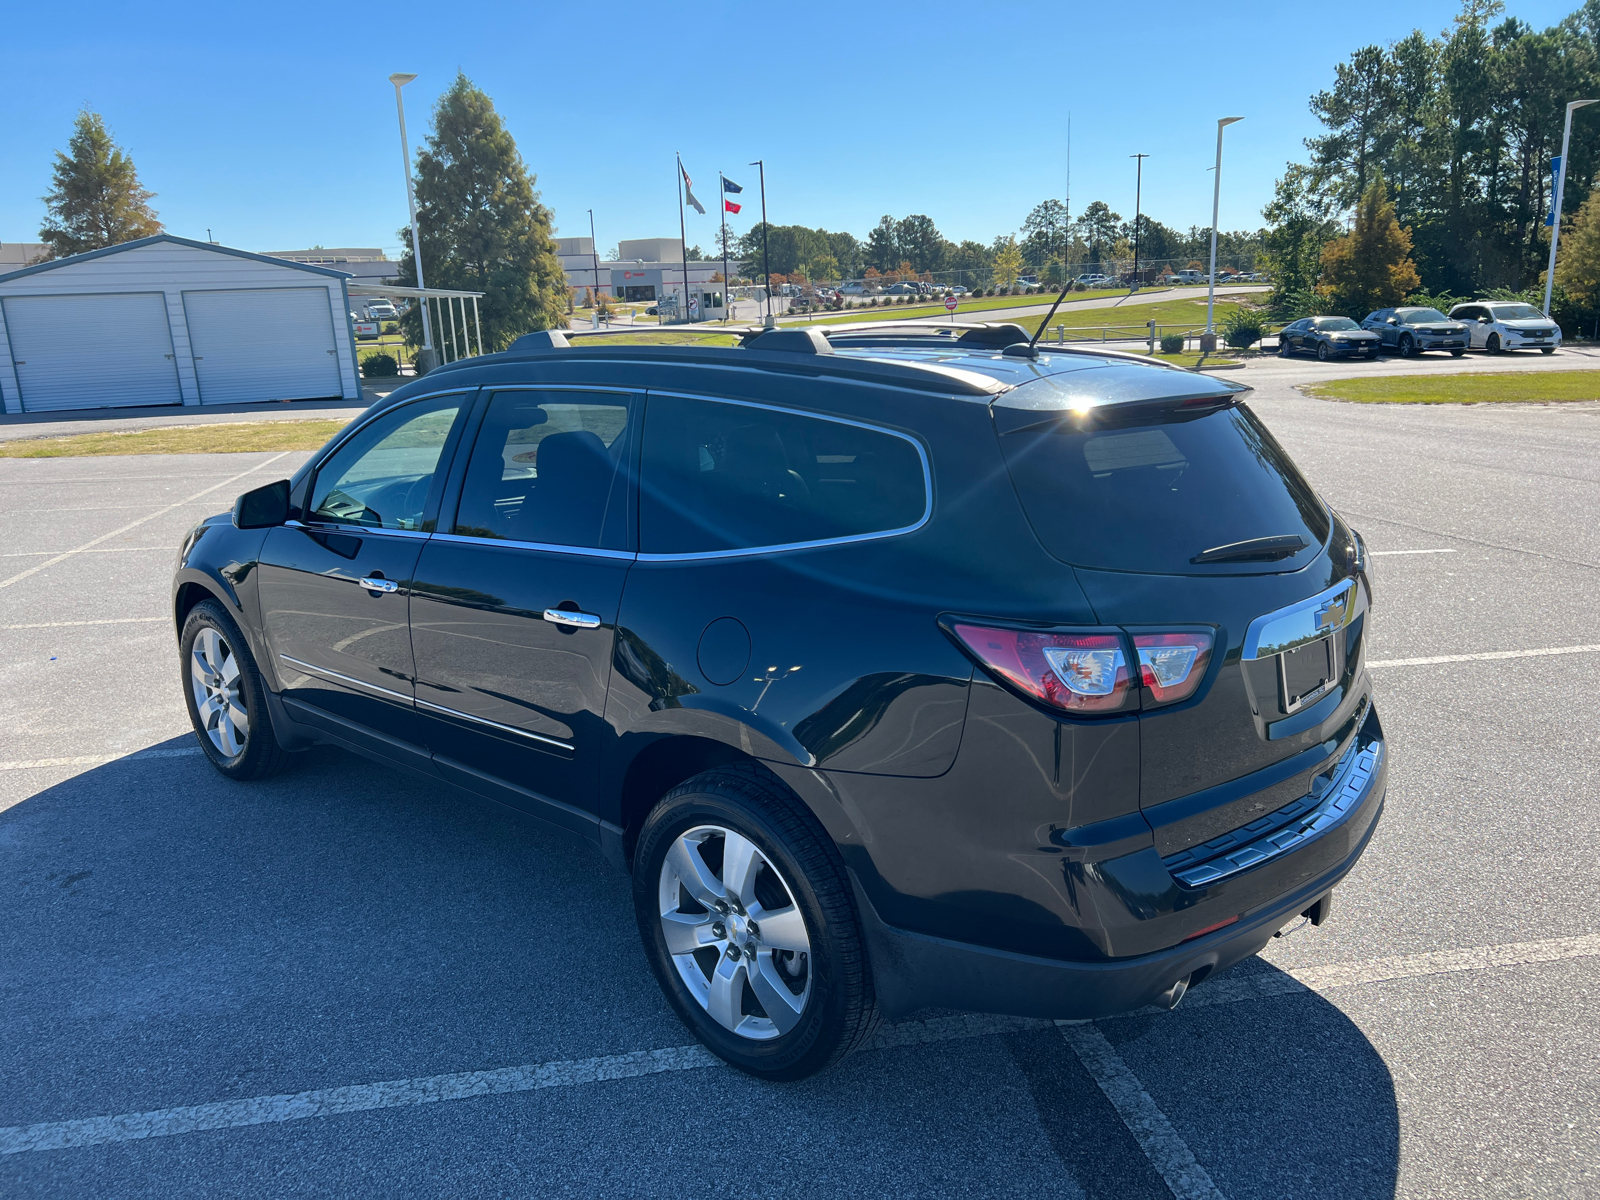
{"x": 170, "y": 938}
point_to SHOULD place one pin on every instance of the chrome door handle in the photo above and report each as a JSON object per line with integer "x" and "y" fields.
{"x": 380, "y": 585}
{"x": 578, "y": 620}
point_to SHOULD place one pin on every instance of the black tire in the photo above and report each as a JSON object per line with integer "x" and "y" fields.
{"x": 261, "y": 756}
{"x": 1283, "y": 347}
{"x": 1547, "y": 349}
{"x": 1492, "y": 344}
{"x": 1322, "y": 351}
{"x": 1457, "y": 353}
{"x": 1408, "y": 347}
{"x": 840, "y": 1011}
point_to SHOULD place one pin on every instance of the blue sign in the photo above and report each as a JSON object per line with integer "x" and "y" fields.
{"x": 1555, "y": 185}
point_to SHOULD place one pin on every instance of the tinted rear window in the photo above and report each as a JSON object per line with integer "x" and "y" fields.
{"x": 1151, "y": 496}
{"x": 721, "y": 476}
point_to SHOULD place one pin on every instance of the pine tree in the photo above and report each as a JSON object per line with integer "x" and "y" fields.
{"x": 483, "y": 227}
{"x": 96, "y": 199}
{"x": 1371, "y": 266}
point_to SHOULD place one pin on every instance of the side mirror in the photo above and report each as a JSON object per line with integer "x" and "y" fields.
{"x": 263, "y": 507}
{"x": 1390, "y": 321}
{"x": 1483, "y": 320}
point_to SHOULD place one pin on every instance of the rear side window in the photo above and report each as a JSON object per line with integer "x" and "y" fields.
{"x": 1152, "y": 496}
{"x": 719, "y": 476}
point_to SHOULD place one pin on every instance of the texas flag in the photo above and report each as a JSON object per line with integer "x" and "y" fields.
{"x": 729, "y": 185}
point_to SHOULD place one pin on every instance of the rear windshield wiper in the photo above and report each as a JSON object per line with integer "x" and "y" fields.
{"x": 1262, "y": 549}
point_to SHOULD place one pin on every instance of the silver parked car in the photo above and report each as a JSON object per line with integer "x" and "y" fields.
{"x": 1496, "y": 325}
{"x": 1413, "y": 330}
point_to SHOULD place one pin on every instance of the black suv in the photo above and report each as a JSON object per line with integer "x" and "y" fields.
{"x": 901, "y": 667}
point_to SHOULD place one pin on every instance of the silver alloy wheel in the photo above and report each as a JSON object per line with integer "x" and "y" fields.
{"x": 218, "y": 699}
{"x": 735, "y": 933}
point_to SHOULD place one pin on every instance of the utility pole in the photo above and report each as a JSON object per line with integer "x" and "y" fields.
{"x": 1555, "y": 203}
{"x": 1138, "y": 185}
{"x": 766, "y": 258}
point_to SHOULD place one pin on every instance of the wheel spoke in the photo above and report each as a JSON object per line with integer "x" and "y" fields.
{"x": 782, "y": 1005}
{"x": 691, "y": 870}
{"x": 228, "y": 669}
{"x": 687, "y": 932}
{"x": 227, "y": 735}
{"x": 782, "y": 929}
{"x": 740, "y": 862}
{"x": 239, "y": 716}
{"x": 727, "y": 993}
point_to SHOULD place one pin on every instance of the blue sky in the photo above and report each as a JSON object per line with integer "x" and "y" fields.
{"x": 274, "y": 126}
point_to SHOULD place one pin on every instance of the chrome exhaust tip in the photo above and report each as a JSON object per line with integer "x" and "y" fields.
{"x": 1170, "y": 998}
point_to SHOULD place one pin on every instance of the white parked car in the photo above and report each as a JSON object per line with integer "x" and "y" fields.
{"x": 381, "y": 310}
{"x": 1496, "y": 325}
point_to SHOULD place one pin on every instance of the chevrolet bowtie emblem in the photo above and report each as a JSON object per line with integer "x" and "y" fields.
{"x": 1328, "y": 615}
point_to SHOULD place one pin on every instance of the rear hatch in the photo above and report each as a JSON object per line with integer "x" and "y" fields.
{"x": 1181, "y": 512}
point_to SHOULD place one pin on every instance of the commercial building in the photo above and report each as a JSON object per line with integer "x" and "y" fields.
{"x": 645, "y": 269}
{"x": 167, "y": 320}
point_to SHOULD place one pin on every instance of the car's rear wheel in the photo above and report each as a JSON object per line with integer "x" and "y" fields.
{"x": 750, "y": 926}
{"x": 1408, "y": 347}
{"x": 1322, "y": 351}
{"x": 1492, "y": 343}
{"x": 226, "y": 697}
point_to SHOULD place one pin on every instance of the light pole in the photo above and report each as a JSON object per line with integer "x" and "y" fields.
{"x": 1216, "y": 200}
{"x": 1138, "y": 188}
{"x": 594, "y": 249}
{"x": 400, "y": 79}
{"x": 1555, "y": 204}
{"x": 766, "y": 261}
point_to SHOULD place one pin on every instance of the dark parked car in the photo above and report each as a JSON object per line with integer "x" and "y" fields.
{"x": 1413, "y": 330}
{"x": 1328, "y": 337}
{"x": 899, "y": 669}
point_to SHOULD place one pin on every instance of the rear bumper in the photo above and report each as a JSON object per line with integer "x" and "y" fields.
{"x": 914, "y": 970}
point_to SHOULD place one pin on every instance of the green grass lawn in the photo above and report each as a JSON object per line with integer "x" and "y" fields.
{"x": 1502, "y": 387}
{"x": 968, "y": 306}
{"x": 239, "y": 437}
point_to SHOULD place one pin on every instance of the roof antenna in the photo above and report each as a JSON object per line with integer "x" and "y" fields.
{"x": 1027, "y": 351}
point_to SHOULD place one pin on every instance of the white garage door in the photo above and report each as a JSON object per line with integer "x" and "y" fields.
{"x": 92, "y": 351}
{"x": 263, "y": 344}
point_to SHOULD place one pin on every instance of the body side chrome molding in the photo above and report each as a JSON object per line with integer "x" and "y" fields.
{"x": 1302, "y": 622}
{"x": 547, "y": 547}
{"x": 537, "y": 737}
{"x": 324, "y": 673}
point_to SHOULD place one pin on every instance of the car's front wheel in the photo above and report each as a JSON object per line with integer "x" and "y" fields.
{"x": 749, "y": 924}
{"x": 1492, "y": 343}
{"x": 1322, "y": 351}
{"x": 1408, "y": 347}
{"x": 225, "y": 696}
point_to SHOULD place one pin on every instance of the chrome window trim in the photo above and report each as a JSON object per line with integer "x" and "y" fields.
{"x": 549, "y": 547}
{"x": 778, "y": 548}
{"x": 324, "y": 673}
{"x": 327, "y": 527}
{"x": 1298, "y": 624}
{"x": 537, "y": 737}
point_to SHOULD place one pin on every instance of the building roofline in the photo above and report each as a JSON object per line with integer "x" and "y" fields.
{"x": 73, "y": 259}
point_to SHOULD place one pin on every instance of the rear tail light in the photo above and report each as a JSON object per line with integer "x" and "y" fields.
{"x": 1171, "y": 665}
{"x": 1076, "y": 672}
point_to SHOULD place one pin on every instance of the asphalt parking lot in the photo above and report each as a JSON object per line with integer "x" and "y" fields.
{"x": 350, "y": 981}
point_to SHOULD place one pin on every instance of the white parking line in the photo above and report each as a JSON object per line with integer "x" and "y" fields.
{"x": 95, "y": 760}
{"x": 1162, "y": 1144}
{"x": 1378, "y": 553}
{"x": 1488, "y": 656}
{"x": 73, "y": 624}
{"x": 96, "y": 550}
{"x": 106, "y": 537}
{"x": 430, "y": 1089}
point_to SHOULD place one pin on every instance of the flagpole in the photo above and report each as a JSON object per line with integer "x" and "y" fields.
{"x": 766, "y": 258}
{"x": 683, "y": 243}
{"x": 727, "y": 293}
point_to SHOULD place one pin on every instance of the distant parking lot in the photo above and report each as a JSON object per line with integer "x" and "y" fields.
{"x": 350, "y": 981}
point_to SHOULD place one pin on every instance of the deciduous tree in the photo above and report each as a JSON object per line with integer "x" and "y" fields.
{"x": 96, "y": 198}
{"x": 1371, "y": 266}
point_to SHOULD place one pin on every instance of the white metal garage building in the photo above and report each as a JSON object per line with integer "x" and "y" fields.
{"x": 166, "y": 320}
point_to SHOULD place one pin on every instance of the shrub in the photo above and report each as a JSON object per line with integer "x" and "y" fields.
{"x": 1242, "y": 328}
{"x": 1172, "y": 343}
{"x": 379, "y": 366}
{"x": 389, "y": 327}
